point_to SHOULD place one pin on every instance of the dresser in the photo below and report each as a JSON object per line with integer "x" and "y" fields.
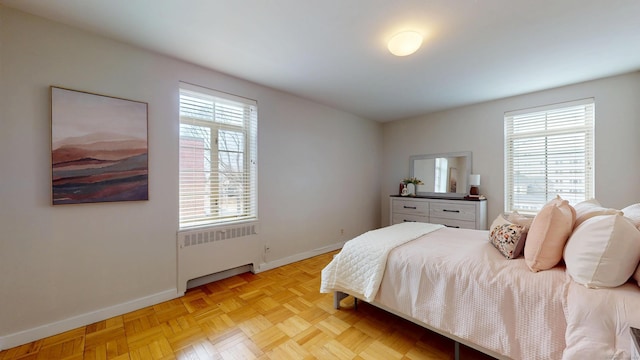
{"x": 458, "y": 213}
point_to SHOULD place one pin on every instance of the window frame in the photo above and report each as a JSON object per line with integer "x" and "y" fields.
{"x": 213, "y": 197}
{"x": 553, "y": 129}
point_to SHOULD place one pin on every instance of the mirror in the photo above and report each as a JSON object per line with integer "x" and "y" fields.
{"x": 444, "y": 175}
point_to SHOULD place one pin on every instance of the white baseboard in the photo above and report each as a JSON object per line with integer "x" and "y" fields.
{"x": 297, "y": 257}
{"x": 43, "y": 331}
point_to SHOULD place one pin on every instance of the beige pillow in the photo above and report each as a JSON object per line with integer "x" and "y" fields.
{"x": 522, "y": 220}
{"x": 603, "y": 251}
{"x": 499, "y": 220}
{"x": 548, "y": 234}
{"x": 637, "y": 275}
{"x": 590, "y": 208}
{"x": 632, "y": 212}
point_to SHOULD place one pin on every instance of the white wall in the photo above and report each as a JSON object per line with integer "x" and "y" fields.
{"x": 479, "y": 129}
{"x": 65, "y": 265}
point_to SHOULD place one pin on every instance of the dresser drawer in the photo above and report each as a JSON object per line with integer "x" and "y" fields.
{"x": 453, "y": 211}
{"x": 414, "y": 207}
{"x": 400, "y": 218}
{"x": 461, "y": 224}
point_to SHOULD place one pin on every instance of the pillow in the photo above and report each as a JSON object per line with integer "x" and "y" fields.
{"x": 636, "y": 276}
{"x": 603, "y": 251}
{"x": 521, "y": 220}
{"x": 632, "y": 212}
{"x": 509, "y": 239}
{"x": 500, "y": 220}
{"x": 590, "y": 208}
{"x": 548, "y": 234}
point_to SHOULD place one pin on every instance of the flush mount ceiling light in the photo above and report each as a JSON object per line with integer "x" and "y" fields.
{"x": 405, "y": 43}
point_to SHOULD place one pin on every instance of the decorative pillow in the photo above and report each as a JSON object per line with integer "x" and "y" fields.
{"x": 521, "y": 220}
{"x": 509, "y": 239}
{"x": 548, "y": 234}
{"x": 590, "y": 208}
{"x": 632, "y": 212}
{"x": 500, "y": 220}
{"x": 603, "y": 251}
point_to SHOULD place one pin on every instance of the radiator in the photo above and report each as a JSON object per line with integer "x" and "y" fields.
{"x": 208, "y": 251}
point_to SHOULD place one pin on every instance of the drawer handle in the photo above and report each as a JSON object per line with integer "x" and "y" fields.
{"x": 454, "y": 211}
{"x": 453, "y": 226}
{"x": 405, "y": 220}
{"x": 410, "y": 207}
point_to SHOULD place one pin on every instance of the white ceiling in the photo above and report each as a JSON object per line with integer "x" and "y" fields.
{"x": 334, "y": 51}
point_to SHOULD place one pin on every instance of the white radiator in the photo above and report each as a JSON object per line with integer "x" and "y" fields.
{"x": 207, "y": 251}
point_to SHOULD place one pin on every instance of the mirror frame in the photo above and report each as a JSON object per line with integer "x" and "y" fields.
{"x": 466, "y": 154}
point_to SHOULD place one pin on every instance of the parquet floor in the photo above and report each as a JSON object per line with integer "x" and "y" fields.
{"x": 277, "y": 314}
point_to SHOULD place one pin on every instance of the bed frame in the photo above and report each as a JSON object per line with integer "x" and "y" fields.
{"x": 338, "y": 296}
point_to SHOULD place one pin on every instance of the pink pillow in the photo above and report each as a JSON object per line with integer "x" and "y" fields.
{"x": 548, "y": 234}
{"x": 632, "y": 212}
{"x": 590, "y": 208}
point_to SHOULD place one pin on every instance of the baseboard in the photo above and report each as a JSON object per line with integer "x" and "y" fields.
{"x": 43, "y": 331}
{"x": 297, "y": 257}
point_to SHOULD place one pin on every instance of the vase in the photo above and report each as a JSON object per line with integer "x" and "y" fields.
{"x": 411, "y": 188}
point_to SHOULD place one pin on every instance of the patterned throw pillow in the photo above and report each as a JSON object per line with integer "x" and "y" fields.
{"x": 509, "y": 239}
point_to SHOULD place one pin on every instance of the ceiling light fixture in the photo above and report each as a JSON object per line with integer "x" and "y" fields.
{"x": 405, "y": 43}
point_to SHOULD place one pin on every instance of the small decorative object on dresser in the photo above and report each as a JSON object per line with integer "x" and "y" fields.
{"x": 459, "y": 213}
{"x": 411, "y": 184}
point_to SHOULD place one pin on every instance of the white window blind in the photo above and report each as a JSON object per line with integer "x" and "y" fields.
{"x": 549, "y": 152}
{"x": 218, "y": 157}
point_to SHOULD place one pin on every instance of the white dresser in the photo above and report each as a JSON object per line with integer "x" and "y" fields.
{"x": 458, "y": 213}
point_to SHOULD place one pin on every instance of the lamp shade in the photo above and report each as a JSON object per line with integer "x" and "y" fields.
{"x": 404, "y": 43}
{"x": 474, "y": 180}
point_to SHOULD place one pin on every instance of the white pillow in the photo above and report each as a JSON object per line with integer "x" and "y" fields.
{"x": 632, "y": 212}
{"x": 522, "y": 220}
{"x": 590, "y": 208}
{"x": 499, "y": 220}
{"x": 603, "y": 251}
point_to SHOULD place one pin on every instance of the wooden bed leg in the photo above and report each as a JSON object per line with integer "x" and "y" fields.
{"x": 355, "y": 303}
{"x": 456, "y": 351}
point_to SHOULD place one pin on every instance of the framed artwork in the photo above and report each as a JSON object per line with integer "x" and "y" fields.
{"x": 99, "y": 148}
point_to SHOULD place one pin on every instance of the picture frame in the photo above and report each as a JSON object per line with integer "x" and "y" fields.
{"x": 99, "y": 148}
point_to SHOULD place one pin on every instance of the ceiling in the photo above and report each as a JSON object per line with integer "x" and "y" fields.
{"x": 334, "y": 51}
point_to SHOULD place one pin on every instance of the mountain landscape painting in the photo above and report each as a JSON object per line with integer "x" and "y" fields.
{"x": 99, "y": 148}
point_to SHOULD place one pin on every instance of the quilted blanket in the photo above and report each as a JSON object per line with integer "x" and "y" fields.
{"x": 359, "y": 266}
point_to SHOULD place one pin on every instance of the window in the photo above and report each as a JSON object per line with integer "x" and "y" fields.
{"x": 218, "y": 157}
{"x": 549, "y": 152}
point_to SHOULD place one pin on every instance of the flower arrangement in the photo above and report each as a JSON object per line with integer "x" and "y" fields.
{"x": 412, "y": 180}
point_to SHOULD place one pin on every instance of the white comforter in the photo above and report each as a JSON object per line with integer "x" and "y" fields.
{"x": 358, "y": 268}
{"x": 454, "y": 281}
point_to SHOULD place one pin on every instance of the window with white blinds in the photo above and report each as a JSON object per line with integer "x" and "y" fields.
{"x": 218, "y": 157}
{"x": 549, "y": 152}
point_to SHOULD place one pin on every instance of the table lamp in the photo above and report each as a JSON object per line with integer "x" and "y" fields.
{"x": 474, "y": 181}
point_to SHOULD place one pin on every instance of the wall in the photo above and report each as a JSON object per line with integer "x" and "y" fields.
{"x": 479, "y": 128}
{"x": 65, "y": 266}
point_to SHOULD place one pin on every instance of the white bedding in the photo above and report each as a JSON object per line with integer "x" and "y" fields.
{"x": 358, "y": 268}
{"x": 455, "y": 281}
{"x": 598, "y": 322}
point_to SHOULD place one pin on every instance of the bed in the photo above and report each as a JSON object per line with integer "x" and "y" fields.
{"x": 455, "y": 282}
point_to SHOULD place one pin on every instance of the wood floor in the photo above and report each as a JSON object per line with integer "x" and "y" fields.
{"x": 277, "y": 314}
